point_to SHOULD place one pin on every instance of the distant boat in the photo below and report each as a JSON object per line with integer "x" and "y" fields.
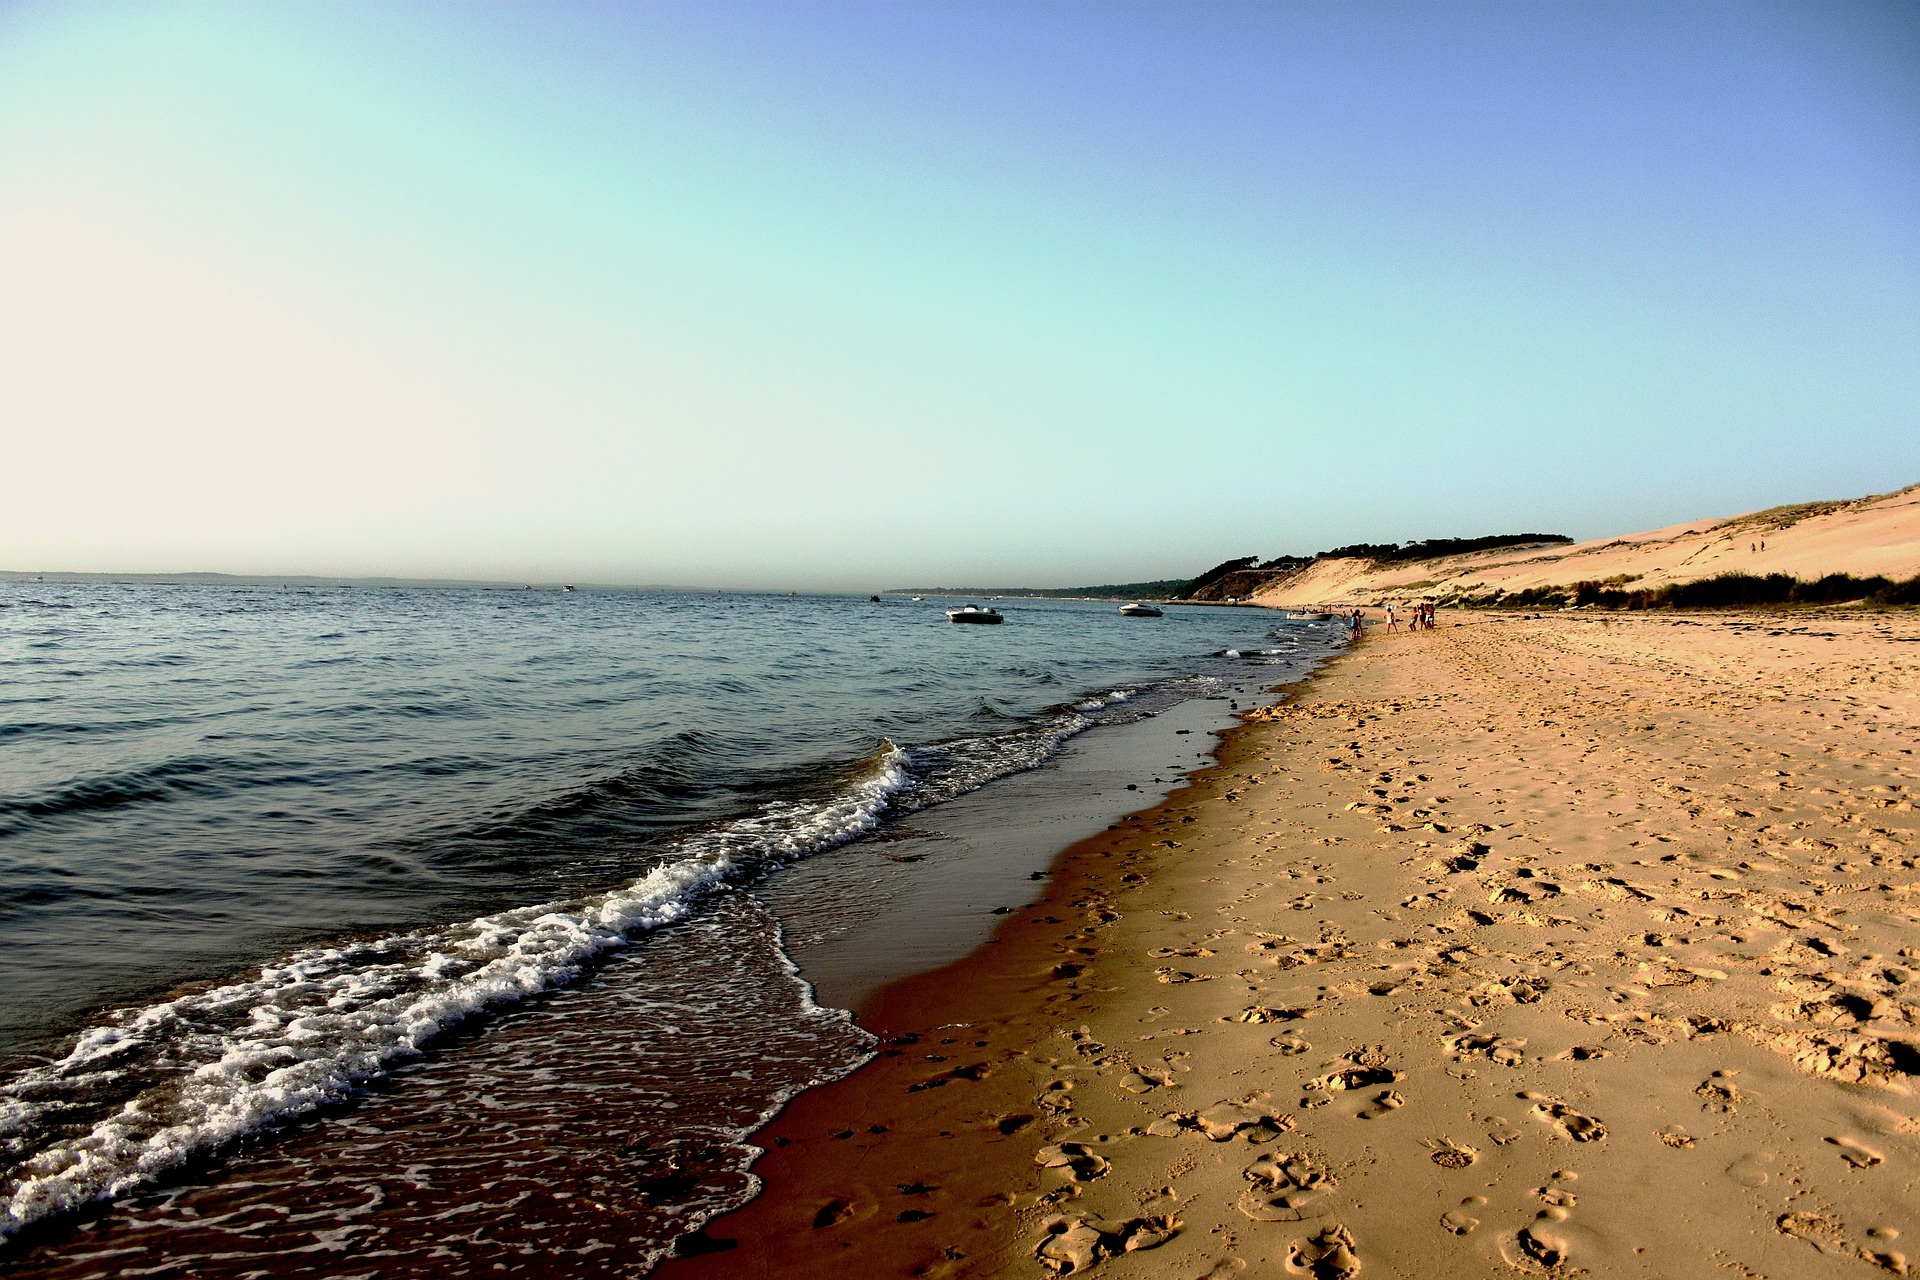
{"x": 1140, "y": 611}
{"x": 972, "y": 614}
{"x": 1310, "y": 617}
{"x": 566, "y": 586}
{"x": 919, "y": 597}
{"x": 873, "y": 599}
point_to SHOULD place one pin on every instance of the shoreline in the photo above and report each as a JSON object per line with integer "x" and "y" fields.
{"x": 614, "y": 1105}
{"x": 1525, "y": 945}
{"x": 926, "y": 1139}
{"x": 951, "y": 1089}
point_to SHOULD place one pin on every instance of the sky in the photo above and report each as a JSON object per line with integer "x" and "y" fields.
{"x": 844, "y": 296}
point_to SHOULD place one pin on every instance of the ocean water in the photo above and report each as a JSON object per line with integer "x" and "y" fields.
{"x": 290, "y": 874}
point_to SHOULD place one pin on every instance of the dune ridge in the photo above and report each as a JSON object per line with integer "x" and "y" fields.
{"x": 1863, "y": 537}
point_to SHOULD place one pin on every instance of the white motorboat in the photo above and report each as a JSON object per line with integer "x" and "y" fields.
{"x": 1138, "y": 610}
{"x": 972, "y": 614}
{"x": 1310, "y": 617}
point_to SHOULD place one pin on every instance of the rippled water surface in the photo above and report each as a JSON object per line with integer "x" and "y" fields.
{"x": 263, "y": 845}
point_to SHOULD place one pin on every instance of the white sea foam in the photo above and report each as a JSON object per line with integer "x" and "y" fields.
{"x": 304, "y": 1031}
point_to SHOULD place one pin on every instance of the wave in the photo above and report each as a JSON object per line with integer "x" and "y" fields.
{"x": 162, "y": 781}
{"x": 155, "y": 1087}
{"x": 1257, "y": 655}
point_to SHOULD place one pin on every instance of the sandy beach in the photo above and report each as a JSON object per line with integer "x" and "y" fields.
{"x": 1575, "y": 943}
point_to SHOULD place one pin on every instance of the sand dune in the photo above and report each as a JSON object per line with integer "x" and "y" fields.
{"x": 1877, "y": 535}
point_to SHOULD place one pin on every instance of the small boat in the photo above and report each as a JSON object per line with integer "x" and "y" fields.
{"x": 972, "y": 614}
{"x": 919, "y": 597}
{"x": 1310, "y": 617}
{"x": 1137, "y": 610}
{"x": 873, "y": 599}
{"x": 566, "y": 586}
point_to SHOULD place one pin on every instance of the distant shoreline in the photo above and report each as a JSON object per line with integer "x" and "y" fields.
{"x": 504, "y": 584}
{"x": 321, "y": 580}
{"x": 256, "y": 580}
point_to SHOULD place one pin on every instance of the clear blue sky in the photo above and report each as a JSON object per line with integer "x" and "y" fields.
{"x": 851, "y": 295}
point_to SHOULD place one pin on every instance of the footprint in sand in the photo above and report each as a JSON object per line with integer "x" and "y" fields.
{"x": 1290, "y": 1044}
{"x": 1364, "y": 1068}
{"x": 1543, "y": 1244}
{"x": 1177, "y": 976}
{"x": 1501, "y": 1050}
{"x": 1449, "y": 1154}
{"x": 1855, "y": 1154}
{"x": 1228, "y": 1266}
{"x": 1145, "y": 1080}
{"x": 1072, "y": 1246}
{"x": 1382, "y": 1104}
{"x": 1330, "y": 1255}
{"x": 1078, "y": 1161}
{"x": 1261, "y": 1013}
{"x": 1719, "y": 1093}
{"x": 1289, "y": 1187}
{"x": 1564, "y": 1120}
{"x": 1583, "y": 1053}
{"x": 1253, "y": 1115}
{"x": 1500, "y": 1132}
{"x": 1820, "y": 1230}
{"x": 1751, "y": 1170}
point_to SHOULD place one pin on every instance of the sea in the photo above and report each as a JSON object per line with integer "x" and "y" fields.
{"x": 358, "y": 930}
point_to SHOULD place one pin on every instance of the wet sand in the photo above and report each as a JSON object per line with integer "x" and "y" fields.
{"x": 1574, "y": 943}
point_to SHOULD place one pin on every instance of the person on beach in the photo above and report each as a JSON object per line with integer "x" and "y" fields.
{"x": 1353, "y": 627}
{"x": 1391, "y": 624}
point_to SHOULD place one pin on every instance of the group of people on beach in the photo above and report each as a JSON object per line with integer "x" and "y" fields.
{"x": 1419, "y": 617}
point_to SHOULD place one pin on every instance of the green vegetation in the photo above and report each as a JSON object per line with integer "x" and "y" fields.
{"x": 1727, "y": 591}
{"x": 1247, "y": 574}
{"x": 1213, "y": 575}
{"x": 1430, "y": 548}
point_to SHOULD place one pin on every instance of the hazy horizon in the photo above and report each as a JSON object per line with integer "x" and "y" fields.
{"x": 848, "y": 296}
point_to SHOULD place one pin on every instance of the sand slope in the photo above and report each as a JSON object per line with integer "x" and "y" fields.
{"x": 1878, "y": 535}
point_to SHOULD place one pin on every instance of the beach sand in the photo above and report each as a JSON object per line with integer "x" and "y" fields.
{"x": 1573, "y": 943}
